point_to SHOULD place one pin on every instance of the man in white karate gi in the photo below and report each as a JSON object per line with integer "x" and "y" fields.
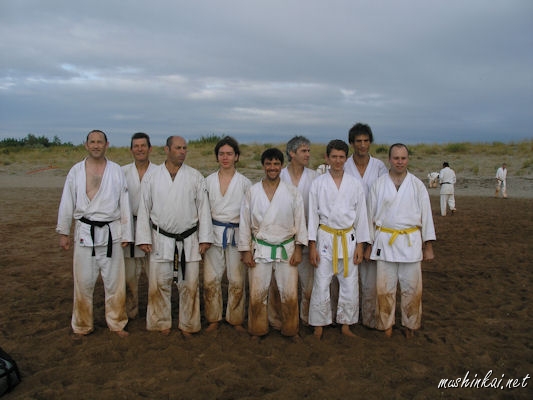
{"x": 403, "y": 231}
{"x": 135, "y": 259}
{"x": 447, "y": 181}
{"x": 501, "y": 181}
{"x": 338, "y": 227}
{"x": 298, "y": 151}
{"x": 95, "y": 195}
{"x": 174, "y": 226}
{"x": 226, "y": 189}
{"x": 367, "y": 170}
{"x": 272, "y": 233}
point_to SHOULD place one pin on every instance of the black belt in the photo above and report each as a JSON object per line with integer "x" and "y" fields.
{"x": 132, "y": 245}
{"x": 179, "y": 237}
{"x": 446, "y": 183}
{"x": 100, "y": 224}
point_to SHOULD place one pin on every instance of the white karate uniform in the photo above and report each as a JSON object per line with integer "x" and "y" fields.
{"x": 447, "y": 189}
{"x": 305, "y": 270}
{"x": 277, "y": 222}
{"x": 110, "y": 204}
{"x": 501, "y": 181}
{"x": 367, "y": 269}
{"x": 225, "y": 256}
{"x": 135, "y": 260}
{"x": 175, "y": 207}
{"x": 403, "y": 209}
{"x": 337, "y": 208}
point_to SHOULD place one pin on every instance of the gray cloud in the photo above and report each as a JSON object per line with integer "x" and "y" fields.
{"x": 416, "y": 71}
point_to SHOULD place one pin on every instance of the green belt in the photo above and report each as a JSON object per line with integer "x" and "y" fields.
{"x": 274, "y": 247}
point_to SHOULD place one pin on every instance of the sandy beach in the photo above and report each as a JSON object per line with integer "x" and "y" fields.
{"x": 476, "y": 323}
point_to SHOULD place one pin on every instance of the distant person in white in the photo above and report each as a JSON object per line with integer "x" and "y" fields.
{"x": 501, "y": 181}
{"x": 447, "y": 189}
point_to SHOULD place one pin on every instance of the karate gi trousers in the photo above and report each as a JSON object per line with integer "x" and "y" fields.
{"x": 320, "y": 311}
{"x": 306, "y": 273}
{"x": 86, "y": 269}
{"x": 133, "y": 267}
{"x": 159, "y": 310}
{"x": 216, "y": 261}
{"x": 410, "y": 277}
{"x": 259, "y": 280}
{"x": 369, "y": 300}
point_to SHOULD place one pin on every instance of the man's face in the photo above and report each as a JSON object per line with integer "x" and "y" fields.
{"x": 399, "y": 159}
{"x": 226, "y": 157}
{"x": 272, "y": 169}
{"x": 301, "y": 156}
{"x": 177, "y": 152}
{"x": 140, "y": 149}
{"x": 336, "y": 160}
{"x": 361, "y": 145}
{"x": 96, "y": 145}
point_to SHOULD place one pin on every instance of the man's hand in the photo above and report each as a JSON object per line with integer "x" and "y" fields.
{"x": 314, "y": 258}
{"x": 296, "y": 257}
{"x": 64, "y": 242}
{"x": 147, "y": 248}
{"x": 247, "y": 259}
{"x": 428, "y": 251}
{"x": 204, "y": 247}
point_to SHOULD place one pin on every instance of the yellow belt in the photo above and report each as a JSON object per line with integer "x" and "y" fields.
{"x": 336, "y": 233}
{"x": 396, "y": 232}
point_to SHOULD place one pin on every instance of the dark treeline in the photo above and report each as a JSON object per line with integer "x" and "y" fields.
{"x": 32, "y": 141}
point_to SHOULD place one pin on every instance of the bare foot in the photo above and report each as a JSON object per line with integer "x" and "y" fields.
{"x": 409, "y": 333}
{"x": 318, "y": 332}
{"x": 346, "y": 331}
{"x": 239, "y": 328}
{"x": 213, "y": 326}
{"x": 122, "y": 333}
{"x": 186, "y": 335}
{"x": 165, "y": 332}
{"x": 296, "y": 339}
{"x": 388, "y": 332}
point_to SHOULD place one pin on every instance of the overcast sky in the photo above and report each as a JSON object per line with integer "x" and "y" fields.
{"x": 263, "y": 71}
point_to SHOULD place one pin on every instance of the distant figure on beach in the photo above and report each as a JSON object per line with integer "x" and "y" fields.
{"x": 447, "y": 181}
{"x": 174, "y": 226}
{"x": 272, "y": 233}
{"x": 403, "y": 231}
{"x": 226, "y": 188}
{"x": 135, "y": 259}
{"x": 95, "y": 195}
{"x": 433, "y": 179}
{"x": 501, "y": 181}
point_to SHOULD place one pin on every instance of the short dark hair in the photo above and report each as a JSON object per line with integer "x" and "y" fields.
{"x": 360, "y": 129}
{"x": 96, "y": 131}
{"x": 398, "y": 145}
{"x": 294, "y": 144}
{"x": 227, "y": 140}
{"x": 272, "y": 154}
{"x": 445, "y": 164}
{"x": 337, "y": 144}
{"x": 140, "y": 135}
